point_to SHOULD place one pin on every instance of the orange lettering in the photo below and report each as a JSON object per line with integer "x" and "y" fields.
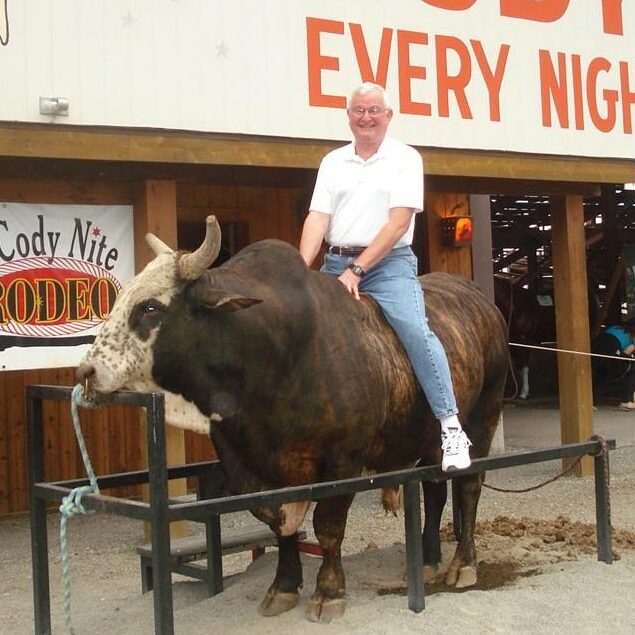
{"x": 408, "y": 72}
{"x": 493, "y": 80}
{"x": 102, "y": 297}
{"x": 612, "y": 17}
{"x": 553, "y": 88}
{"x": 455, "y": 83}
{"x": 628, "y": 98}
{"x": 50, "y": 299}
{"x": 78, "y": 299}
{"x": 536, "y": 10}
{"x": 603, "y": 124}
{"x": 576, "y": 72}
{"x": 363, "y": 59}
{"x": 318, "y": 62}
{"x": 21, "y": 302}
{"x": 451, "y": 5}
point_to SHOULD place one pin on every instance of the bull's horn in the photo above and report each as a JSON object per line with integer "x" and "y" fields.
{"x": 192, "y": 266}
{"x": 157, "y": 245}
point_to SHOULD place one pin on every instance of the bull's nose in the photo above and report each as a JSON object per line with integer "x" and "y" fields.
{"x": 85, "y": 373}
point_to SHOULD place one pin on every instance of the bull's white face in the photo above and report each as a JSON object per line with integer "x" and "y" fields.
{"x": 121, "y": 356}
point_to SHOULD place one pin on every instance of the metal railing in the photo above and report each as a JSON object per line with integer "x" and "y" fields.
{"x": 160, "y": 511}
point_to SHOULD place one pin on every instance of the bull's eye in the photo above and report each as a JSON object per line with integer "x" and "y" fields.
{"x": 146, "y": 316}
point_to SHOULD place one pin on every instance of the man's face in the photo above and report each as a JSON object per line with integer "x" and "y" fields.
{"x": 369, "y": 128}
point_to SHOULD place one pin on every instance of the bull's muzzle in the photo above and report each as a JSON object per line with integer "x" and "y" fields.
{"x": 85, "y": 376}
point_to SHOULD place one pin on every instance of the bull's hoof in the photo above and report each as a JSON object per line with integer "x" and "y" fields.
{"x": 430, "y": 573}
{"x": 467, "y": 577}
{"x": 325, "y": 610}
{"x": 461, "y": 577}
{"x": 276, "y": 603}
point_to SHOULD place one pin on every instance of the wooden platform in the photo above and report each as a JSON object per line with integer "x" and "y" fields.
{"x": 185, "y": 553}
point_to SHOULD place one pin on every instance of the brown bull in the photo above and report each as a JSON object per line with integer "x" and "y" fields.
{"x": 297, "y": 382}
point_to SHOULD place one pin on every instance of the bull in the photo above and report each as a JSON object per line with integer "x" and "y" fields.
{"x": 297, "y": 382}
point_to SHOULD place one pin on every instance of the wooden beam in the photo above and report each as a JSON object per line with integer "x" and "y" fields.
{"x": 155, "y": 211}
{"x": 195, "y": 148}
{"x": 535, "y": 183}
{"x": 616, "y": 276}
{"x": 572, "y": 323}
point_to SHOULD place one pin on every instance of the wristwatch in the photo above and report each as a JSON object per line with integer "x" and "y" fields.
{"x": 357, "y": 270}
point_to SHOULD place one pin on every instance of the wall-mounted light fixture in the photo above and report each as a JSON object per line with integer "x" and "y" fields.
{"x": 456, "y": 231}
{"x": 56, "y": 106}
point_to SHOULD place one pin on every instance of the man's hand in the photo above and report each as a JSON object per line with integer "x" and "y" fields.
{"x": 351, "y": 282}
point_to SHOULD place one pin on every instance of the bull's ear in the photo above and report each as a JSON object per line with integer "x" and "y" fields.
{"x": 217, "y": 300}
{"x": 231, "y": 303}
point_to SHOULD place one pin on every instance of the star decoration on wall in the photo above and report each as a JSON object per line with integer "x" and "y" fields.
{"x": 128, "y": 19}
{"x": 222, "y": 50}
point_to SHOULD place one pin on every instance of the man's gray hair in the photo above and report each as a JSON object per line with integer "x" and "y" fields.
{"x": 369, "y": 87}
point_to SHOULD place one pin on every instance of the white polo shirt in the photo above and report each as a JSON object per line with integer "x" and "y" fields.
{"x": 359, "y": 194}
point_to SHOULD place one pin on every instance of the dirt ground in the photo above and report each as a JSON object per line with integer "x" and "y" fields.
{"x": 538, "y": 571}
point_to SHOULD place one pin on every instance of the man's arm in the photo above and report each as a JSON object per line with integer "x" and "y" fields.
{"x": 381, "y": 245}
{"x": 387, "y": 238}
{"x": 315, "y": 227}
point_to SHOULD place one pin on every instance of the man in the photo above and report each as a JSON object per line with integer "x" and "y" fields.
{"x": 364, "y": 202}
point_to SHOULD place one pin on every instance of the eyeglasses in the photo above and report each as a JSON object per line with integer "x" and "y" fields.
{"x": 373, "y": 111}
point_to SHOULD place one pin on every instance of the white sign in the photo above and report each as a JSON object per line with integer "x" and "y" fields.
{"x": 533, "y": 76}
{"x": 61, "y": 269}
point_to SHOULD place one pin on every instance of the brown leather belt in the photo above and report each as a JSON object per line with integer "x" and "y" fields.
{"x": 345, "y": 251}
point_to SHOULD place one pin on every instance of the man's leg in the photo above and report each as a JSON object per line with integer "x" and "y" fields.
{"x": 628, "y": 386}
{"x": 395, "y": 287}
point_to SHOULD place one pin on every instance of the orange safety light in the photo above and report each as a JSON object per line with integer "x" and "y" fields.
{"x": 457, "y": 231}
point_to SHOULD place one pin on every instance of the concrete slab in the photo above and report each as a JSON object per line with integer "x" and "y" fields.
{"x": 532, "y": 425}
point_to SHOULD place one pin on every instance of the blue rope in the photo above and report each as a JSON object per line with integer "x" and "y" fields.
{"x": 72, "y": 504}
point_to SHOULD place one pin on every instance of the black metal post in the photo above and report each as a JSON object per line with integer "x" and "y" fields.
{"x": 160, "y": 522}
{"x": 602, "y": 508}
{"x": 210, "y": 486}
{"x": 214, "y": 555}
{"x": 39, "y": 535}
{"x": 414, "y": 546}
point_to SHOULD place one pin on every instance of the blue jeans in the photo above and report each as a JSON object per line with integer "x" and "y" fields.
{"x": 394, "y": 285}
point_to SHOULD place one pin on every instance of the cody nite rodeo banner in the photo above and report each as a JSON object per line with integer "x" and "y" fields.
{"x": 61, "y": 269}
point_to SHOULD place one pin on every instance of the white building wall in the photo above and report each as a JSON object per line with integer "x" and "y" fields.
{"x": 241, "y": 66}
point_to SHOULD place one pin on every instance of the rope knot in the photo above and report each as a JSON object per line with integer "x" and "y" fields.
{"x": 72, "y": 504}
{"x": 604, "y": 450}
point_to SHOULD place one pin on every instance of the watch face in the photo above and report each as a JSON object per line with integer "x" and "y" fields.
{"x": 357, "y": 270}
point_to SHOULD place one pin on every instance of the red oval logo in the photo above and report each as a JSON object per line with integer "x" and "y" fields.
{"x": 39, "y": 298}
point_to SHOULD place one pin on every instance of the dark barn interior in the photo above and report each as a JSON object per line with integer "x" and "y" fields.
{"x": 523, "y": 270}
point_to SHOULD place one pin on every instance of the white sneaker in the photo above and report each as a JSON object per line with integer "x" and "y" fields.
{"x": 456, "y": 450}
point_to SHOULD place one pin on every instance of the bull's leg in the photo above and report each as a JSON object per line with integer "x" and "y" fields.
{"x": 283, "y": 593}
{"x": 434, "y": 499}
{"x": 524, "y": 386}
{"x": 481, "y": 427}
{"x": 462, "y": 570}
{"x": 329, "y": 522}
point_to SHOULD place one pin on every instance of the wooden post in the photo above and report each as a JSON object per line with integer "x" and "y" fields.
{"x": 572, "y": 324}
{"x": 155, "y": 211}
{"x": 483, "y": 274}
